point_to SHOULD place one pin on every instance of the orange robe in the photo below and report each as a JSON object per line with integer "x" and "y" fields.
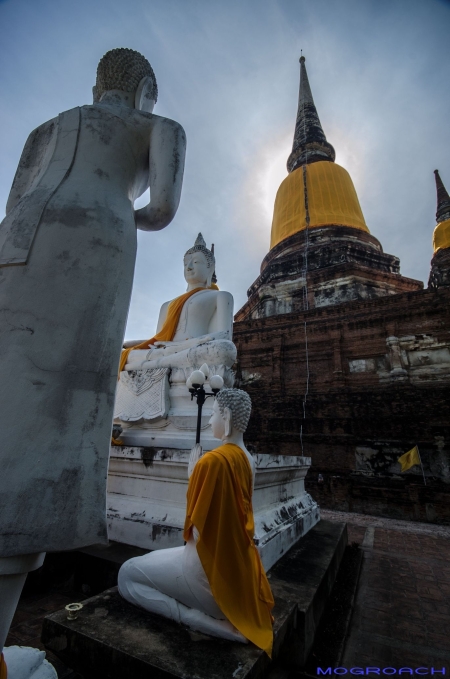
{"x": 219, "y": 505}
{"x": 169, "y": 328}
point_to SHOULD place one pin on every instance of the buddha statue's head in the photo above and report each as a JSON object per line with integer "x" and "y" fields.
{"x": 126, "y": 71}
{"x": 231, "y": 411}
{"x": 199, "y": 265}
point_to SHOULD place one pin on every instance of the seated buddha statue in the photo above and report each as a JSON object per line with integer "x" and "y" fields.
{"x": 216, "y": 583}
{"x": 194, "y": 328}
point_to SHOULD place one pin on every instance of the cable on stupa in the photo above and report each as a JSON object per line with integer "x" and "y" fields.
{"x": 310, "y": 146}
{"x": 305, "y": 269}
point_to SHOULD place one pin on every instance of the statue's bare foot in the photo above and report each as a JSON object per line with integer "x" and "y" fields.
{"x": 200, "y": 622}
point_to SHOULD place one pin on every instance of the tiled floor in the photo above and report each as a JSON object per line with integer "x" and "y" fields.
{"x": 402, "y": 612}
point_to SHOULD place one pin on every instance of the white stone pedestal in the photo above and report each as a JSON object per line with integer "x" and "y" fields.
{"x": 154, "y": 408}
{"x": 146, "y": 502}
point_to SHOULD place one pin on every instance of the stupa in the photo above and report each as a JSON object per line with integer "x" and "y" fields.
{"x": 321, "y": 250}
{"x": 346, "y": 360}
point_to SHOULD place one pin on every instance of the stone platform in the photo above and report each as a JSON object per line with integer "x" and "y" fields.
{"x": 146, "y": 502}
{"x": 112, "y": 639}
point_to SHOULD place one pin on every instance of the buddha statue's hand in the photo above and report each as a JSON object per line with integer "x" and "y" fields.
{"x": 205, "y": 338}
{"x": 222, "y": 334}
{"x": 170, "y": 347}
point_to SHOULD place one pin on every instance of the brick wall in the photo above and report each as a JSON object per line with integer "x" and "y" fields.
{"x": 379, "y": 383}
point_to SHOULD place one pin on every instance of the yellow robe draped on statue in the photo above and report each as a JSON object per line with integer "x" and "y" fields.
{"x": 219, "y": 505}
{"x": 168, "y": 330}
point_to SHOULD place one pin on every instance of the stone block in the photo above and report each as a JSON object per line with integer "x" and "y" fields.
{"x": 113, "y": 639}
{"x": 146, "y": 502}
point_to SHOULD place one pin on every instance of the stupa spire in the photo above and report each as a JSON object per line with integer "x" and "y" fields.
{"x": 310, "y": 144}
{"x": 443, "y": 200}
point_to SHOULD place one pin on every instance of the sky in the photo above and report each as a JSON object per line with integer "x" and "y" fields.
{"x": 228, "y": 72}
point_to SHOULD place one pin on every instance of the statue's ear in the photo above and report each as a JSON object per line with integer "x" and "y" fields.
{"x": 228, "y": 419}
{"x": 95, "y": 97}
{"x": 143, "y": 100}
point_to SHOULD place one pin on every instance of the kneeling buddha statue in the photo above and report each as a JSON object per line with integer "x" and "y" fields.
{"x": 216, "y": 583}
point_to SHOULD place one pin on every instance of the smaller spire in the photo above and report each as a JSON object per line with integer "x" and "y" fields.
{"x": 310, "y": 144}
{"x": 443, "y": 200}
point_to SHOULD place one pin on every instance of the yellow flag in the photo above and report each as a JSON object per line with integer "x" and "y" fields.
{"x": 409, "y": 459}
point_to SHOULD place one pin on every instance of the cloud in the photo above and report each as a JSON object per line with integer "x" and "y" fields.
{"x": 228, "y": 72}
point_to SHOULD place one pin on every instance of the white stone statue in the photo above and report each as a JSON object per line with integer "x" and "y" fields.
{"x": 215, "y": 584}
{"x": 67, "y": 256}
{"x": 194, "y": 329}
{"x": 24, "y": 662}
{"x": 204, "y": 330}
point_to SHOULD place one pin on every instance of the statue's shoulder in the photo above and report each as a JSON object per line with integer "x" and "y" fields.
{"x": 215, "y": 457}
{"x": 226, "y": 450}
{"x": 41, "y": 135}
{"x": 220, "y": 296}
{"x": 224, "y": 455}
{"x": 46, "y": 127}
{"x": 165, "y": 305}
{"x": 165, "y": 126}
{"x": 224, "y": 298}
{"x": 35, "y": 157}
{"x": 223, "y": 294}
{"x": 163, "y": 122}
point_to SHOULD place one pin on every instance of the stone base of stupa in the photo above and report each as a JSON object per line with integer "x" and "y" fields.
{"x": 146, "y": 502}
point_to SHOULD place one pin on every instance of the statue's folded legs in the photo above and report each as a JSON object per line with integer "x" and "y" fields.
{"x": 172, "y": 583}
{"x": 217, "y": 352}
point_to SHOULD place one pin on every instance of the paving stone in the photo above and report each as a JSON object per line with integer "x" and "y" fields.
{"x": 413, "y": 580}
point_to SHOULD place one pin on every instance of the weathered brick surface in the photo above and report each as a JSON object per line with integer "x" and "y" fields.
{"x": 323, "y": 266}
{"x": 358, "y": 422}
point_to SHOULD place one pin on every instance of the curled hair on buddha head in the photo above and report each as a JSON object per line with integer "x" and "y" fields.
{"x": 240, "y": 405}
{"x": 200, "y": 246}
{"x": 123, "y": 69}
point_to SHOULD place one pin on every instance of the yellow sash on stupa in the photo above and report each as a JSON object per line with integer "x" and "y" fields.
{"x": 219, "y": 505}
{"x": 169, "y": 327}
